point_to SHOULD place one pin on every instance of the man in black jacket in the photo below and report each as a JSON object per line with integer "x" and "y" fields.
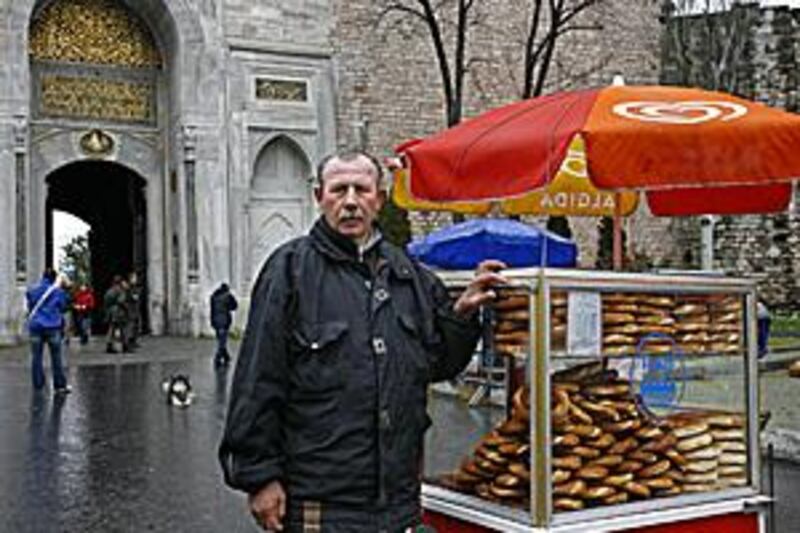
{"x": 223, "y": 303}
{"x": 328, "y": 403}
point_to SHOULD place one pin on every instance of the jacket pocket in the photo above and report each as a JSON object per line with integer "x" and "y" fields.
{"x": 316, "y": 365}
{"x": 415, "y": 354}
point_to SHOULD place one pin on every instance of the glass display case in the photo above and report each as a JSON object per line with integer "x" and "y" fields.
{"x": 631, "y": 400}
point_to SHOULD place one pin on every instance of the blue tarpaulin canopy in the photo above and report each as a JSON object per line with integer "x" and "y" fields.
{"x": 464, "y": 245}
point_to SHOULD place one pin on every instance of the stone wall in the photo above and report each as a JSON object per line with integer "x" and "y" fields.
{"x": 389, "y": 87}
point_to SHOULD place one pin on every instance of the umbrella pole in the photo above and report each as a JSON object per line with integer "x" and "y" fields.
{"x": 617, "y": 249}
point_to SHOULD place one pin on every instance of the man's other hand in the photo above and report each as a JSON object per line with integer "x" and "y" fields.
{"x": 268, "y": 506}
{"x": 479, "y": 291}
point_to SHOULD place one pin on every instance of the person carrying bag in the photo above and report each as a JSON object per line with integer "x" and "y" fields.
{"x": 47, "y": 301}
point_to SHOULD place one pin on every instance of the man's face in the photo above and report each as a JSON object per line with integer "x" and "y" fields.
{"x": 349, "y": 197}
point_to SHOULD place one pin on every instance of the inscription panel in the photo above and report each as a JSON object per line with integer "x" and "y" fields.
{"x": 96, "y": 98}
{"x": 278, "y": 89}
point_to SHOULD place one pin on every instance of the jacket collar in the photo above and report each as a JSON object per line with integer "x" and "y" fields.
{"x": 333, "y": 244}
{"x": 337, "y": 246}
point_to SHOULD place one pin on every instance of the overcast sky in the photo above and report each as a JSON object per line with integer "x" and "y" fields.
{"x": 65, "y": 228}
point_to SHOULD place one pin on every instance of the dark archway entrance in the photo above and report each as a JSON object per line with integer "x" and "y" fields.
{"x": 110, "y": 198}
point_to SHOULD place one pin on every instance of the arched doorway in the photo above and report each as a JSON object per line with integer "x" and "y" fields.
{"x": 280, "y": 198}
{"x": 111, "y": 199}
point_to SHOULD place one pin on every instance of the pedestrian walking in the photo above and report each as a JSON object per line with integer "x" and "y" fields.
{"x": 328, "y": 402}
{"x": 223, "y": 303}
{"x": 116, "y": 309}
{"x": 82, "y": 307}
{"x": 47, "y": 303}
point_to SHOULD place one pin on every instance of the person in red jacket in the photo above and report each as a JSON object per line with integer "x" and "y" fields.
{"x": 83, "y": 304}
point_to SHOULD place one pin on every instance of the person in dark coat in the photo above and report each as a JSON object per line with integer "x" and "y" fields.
{"x": 115, "y": 302}
{"x": 223, "y": 303}
{"x": 328, "y": 402}
{"x": 47, "y": 302}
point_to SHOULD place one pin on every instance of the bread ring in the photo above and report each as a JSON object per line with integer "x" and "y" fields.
{"x": 690, "y": 309}
{"x": 619, "y": 350}
{"x": 592, "y": 472}
{"x": 654, "y": 470}
{"x": 676, "y": 457}
{"x": 733, "y": 459}
{"x": 637, "y": 489}
{"x": 569, "y": 462}
{"x": 697, "y": 487}
{"x": 661, "y": 445}
{"x": 649, "y": 432}
{"x": 560, "y": 476}
{"x": 608, "y": 461}
{"x": 567, "y": 504}
{"x": 707, "y": 477}
{"x": 575, "y": 487}
{"x": 694, "y": 443}
{"x": 512, "y": 427}
{"x": 612, "y": 307}
{"x": 623, "y": 427}
{"x": 683, "y": 431}
{"x": 616, "y": 499}
{"x": 583, "y": 431}
{"x": 658, "y": 483}
{"x": 618, "y": 318}
{"x": 674, "y": 491}
{"x": 629, "y": 466}
{"x": 510, "y": 481}
{"x": 598, "y": 492}
{"x": 585, "y": 452}
{"x": 703, "y": 454}
{"x": 727, "y": 434}
{"x": 624, "y": 446}
{"x": 618, "y": 480}
{"x": 567, "y": 441}
{"x": 601, "y": 411}
{"x": 604, "y": 441}
{"x": 520, "y": 470}
{"x": 512, "y": 301}
{"x": 658, "y": 301}
{"x": 617, "y": 338}
{"x": 642, "y": 456}
{"x": 465, "y": 479}
{"x": 730, "y": 446}
{"x": 506, "y": 493}
{"x": 610, "y": 390}
{"x": 519, "y": 315}
{"x": 582, "y": 416}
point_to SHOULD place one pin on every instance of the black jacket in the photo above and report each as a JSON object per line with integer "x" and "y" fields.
{"x": 329, "y": 393}
{"x": 222, "y": 304}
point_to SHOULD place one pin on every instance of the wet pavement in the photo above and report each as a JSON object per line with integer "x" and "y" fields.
{"x": 113, "y": 456}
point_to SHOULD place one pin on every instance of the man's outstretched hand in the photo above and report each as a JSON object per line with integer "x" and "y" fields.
{"x": 479, "y": 291}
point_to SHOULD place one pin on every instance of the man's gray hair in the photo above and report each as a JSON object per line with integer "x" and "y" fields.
{"x": 349, "y": 155}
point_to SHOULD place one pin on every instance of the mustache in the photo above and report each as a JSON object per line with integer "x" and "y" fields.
{"x": 345, "y": 217}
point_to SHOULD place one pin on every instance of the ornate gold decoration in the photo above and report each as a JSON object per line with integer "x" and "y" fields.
{"x": 66, "y": 96}
{"x": 100, "y": 32}
{"x": 96, "y": 142}
{"x": 278, "y": 89}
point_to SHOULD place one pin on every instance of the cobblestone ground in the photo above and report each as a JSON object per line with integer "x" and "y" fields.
{"x": 114, "y": 457}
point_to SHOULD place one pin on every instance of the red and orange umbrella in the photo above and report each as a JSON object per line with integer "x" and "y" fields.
{"x": 692, "y": 151}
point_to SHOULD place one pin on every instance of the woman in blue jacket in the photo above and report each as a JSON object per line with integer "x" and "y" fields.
{"x": 47, "y": 303}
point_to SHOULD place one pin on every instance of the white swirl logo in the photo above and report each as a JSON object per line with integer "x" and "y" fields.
{"x": 680, "y": 112}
